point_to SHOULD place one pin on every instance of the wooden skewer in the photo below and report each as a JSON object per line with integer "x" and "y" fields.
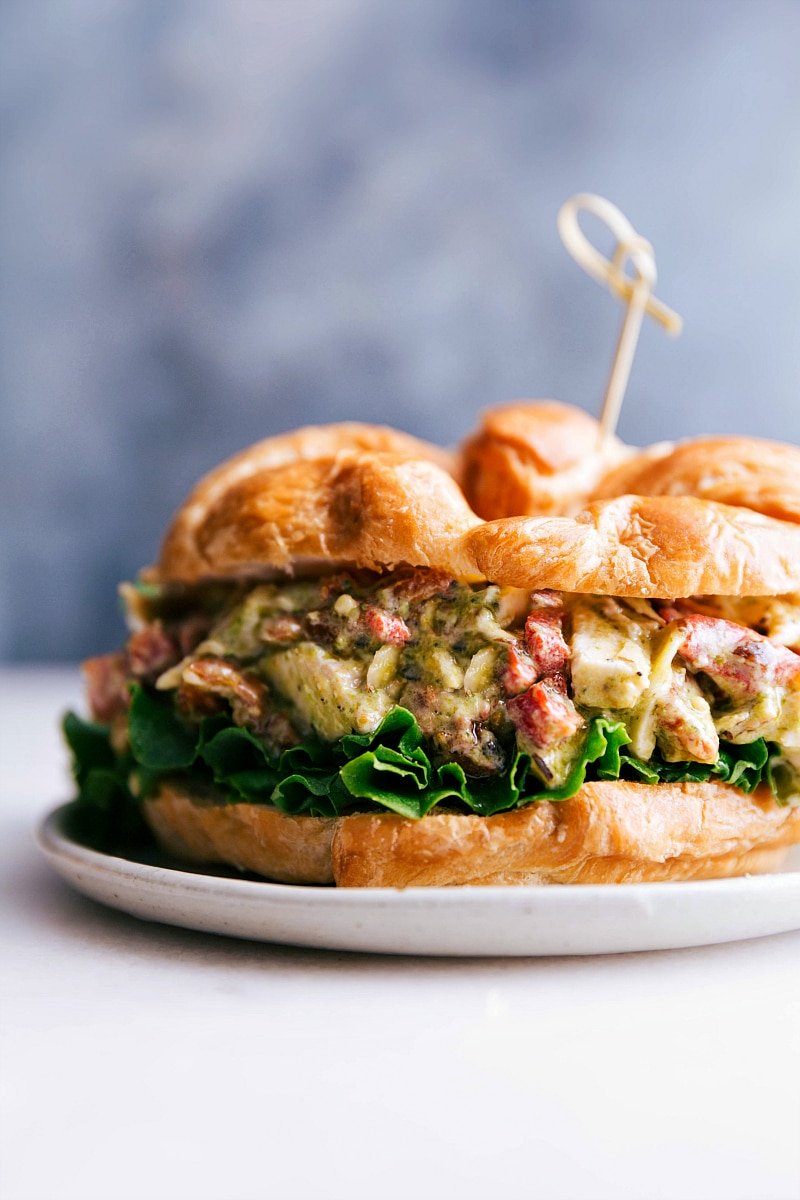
{"x": 635, "y": 292}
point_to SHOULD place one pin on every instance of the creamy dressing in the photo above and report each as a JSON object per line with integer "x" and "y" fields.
{"x": 338, "y": 654}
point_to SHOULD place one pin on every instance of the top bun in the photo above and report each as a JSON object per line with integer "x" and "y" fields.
{"x": 536, "y": 458}
{"x": 359, "y": 509}
{"x": 355, "y": 496}
{"x": 222, "y": 496}
{"x": 643, "y": 546}
{"x": 746, "y": 472}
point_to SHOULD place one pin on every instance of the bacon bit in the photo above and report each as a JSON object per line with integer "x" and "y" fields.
{"x": 544, "y": 713}
{"x": 323, "y": 626}
{"x": 558, "y": 682}
{"x": 151, "y": 651}
{"x": 107, "y": 682}
{"x": 334, "y": 585}
{"x": 670, "y": 610}
{"x": 385, "y": 627}
{"x": 422, "y": 585}
{"x": 190, "y": 633}
{"x": 196, "y": 703}
{"x": 736, "y": 658}
{"x": 520, "y": 671}
{"x": 280, "y": 630}
{"x": 544, "y": 639}
{"x": 247, "y": 696}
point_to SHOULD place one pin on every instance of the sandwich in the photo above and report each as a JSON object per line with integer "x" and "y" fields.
{"x": 339, "y": 672}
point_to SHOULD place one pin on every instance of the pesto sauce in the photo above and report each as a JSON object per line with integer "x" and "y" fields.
{"x": 314, "y": 643}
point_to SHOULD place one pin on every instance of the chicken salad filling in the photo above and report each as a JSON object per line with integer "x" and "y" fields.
{"x": 498, "y": 690}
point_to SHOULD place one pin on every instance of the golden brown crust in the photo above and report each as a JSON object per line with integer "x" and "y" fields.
{"x": 748, "y": 472}
{"x": 379, "y": 510}
{"x": 363, "y": 509}
{"x": 607, "y": 833}
{"x": 313, "y": 443}
{"x": 250, "y": 837}
{"x": 643, "y": 546}
{"x": 535, "y": 458}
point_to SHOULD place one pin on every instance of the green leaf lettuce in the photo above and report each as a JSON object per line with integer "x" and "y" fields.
{"x": 390, "y": 769}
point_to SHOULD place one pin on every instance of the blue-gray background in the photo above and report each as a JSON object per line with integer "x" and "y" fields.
{"x": 222, "y": 218}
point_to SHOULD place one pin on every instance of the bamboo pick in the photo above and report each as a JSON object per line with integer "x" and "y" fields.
{"x": 635, "y": 292}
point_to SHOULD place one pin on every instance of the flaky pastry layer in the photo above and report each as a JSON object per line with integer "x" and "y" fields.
{"x": 376, "y": 511}
{"x": 608, "y": 833}
{"x": 182, "y": 554}
{"x": 536, "y": 458}
{"x": 744, "y": 472}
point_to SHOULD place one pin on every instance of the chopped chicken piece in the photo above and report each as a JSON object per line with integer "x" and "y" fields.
{"x": 329, "y": 694}
{"x": 610, "y": 658}
{"x": 685, "y": 727}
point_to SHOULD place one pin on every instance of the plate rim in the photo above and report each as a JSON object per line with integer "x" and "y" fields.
{"x": 56, "y": 843}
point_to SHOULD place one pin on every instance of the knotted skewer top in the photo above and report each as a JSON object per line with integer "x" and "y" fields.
{"x": 635, "y": 292}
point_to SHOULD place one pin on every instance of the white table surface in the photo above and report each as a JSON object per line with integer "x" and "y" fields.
{"x": 142, "y": 1061}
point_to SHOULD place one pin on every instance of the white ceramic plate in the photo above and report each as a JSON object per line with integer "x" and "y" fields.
{"x": 604, "y": 919}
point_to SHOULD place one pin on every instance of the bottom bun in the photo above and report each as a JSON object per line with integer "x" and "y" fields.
{"x": 607, "y": 833}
